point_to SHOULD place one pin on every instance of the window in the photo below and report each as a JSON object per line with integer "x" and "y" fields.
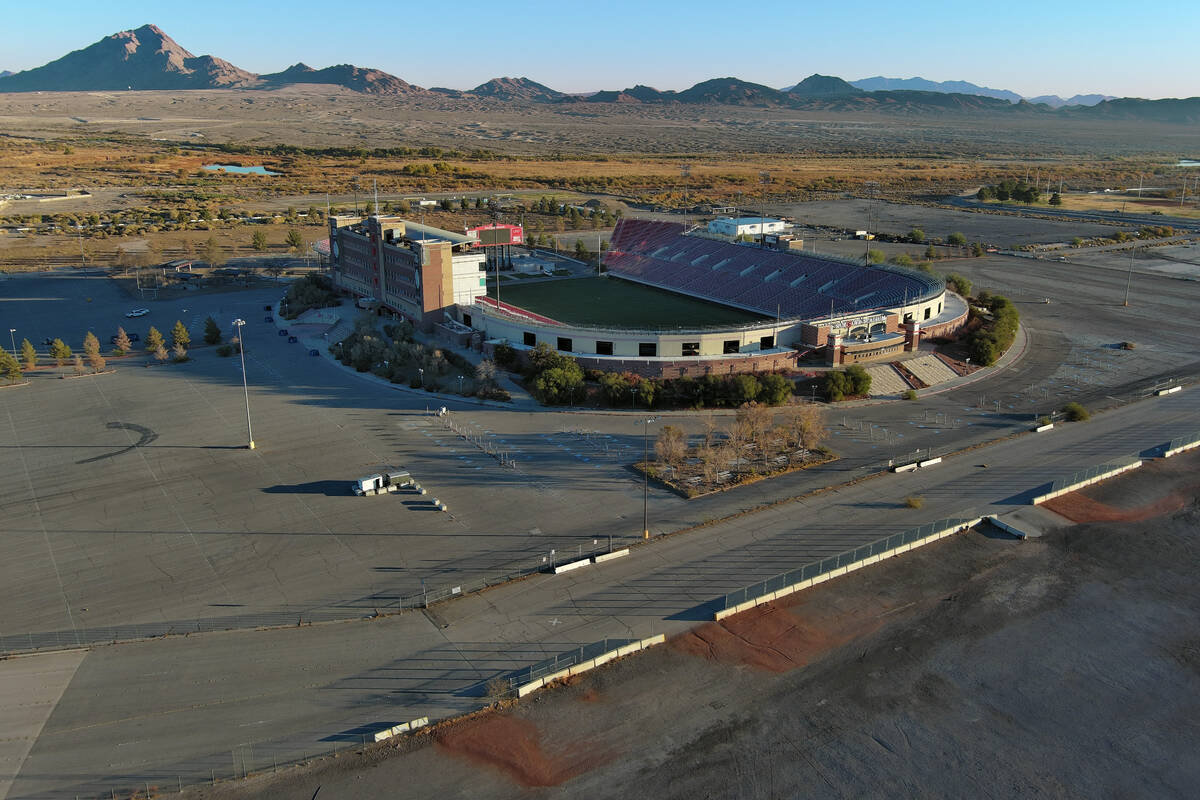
{"x": 927, "y": 312}
{"x": 530, "y": 339}
{"x": 731, "y": 346}
{"x": 647, "y": 349}
{"x": 564, "y": 344}
{"x": 604, "y": 348}
{"x": 766, "y": 343}
{"x": 467, "y": 320}
{"x": 691, "y": 348}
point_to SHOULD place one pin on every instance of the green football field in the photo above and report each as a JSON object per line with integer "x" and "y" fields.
{"x": 615, "y": 303}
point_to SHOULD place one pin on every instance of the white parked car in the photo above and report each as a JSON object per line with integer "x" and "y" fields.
{"x": 138, "y": 312}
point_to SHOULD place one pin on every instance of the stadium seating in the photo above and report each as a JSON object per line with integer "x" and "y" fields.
{"x": 795, "y": 285}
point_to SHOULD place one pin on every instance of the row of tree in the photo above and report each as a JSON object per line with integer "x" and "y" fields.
{"x": 995, "y": 332}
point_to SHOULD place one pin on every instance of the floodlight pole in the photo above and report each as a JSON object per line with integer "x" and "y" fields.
{"x": 646, "y": 474}
{"x": 1129, "y": 276}
{"x": 240, "y": 324}
{"x": 12, "y": 337}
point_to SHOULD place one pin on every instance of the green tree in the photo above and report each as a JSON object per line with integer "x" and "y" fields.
{"x": 180, "y": 352}
{"x": 60, "y": 351}
{"x": 28, "y": 354}
{"x": 1076, "y": 412}
{"x": 1056, "y": 199}
{"x": 295, "y": 241}
{"x": 959, "y": 284}
{"x": 581, "y": 251}
{"x": 464, "y": 204}
{"x": 559, "y": 385}
{"x": 743, "y": 389}
{"x": 875, "y": 256}
{"x": 180, "y": 335}
{"x": 212, "y": 331}
{"x": 154, "y": 340}
{"x": 774, "y": 390}
{"x": 91, "y": 345}
{"x": 213, "y": 252}
{"x": 977, "y": 250}
{"x": 916, "y": 236}
{"x": 957, "y": 239}
{"x": 10, "y": 367}
{"x": 931, "y": 252}
{"x": 259, "y": 240}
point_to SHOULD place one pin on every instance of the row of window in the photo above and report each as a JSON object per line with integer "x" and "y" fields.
{"x": 645, "y": 349}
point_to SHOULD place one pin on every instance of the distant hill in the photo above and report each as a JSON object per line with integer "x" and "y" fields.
{"x": 823, "y": 86}
{"x": 517, "y": 89}
{"x": 145, "y": 58}
{"x": 636, "y": 94}
{"x": 879, "y": 83}
{"x": 1054, "y": 101}
{"x": 732, "y": 92}
{"x": 359, "y": 79}
{"x": 4, "y": 73}
{"x": 1184, "y": 111}
{"x": 908, "y": 102}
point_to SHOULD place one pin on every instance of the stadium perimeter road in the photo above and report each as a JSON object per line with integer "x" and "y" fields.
{"x": 220, "y": 704}
{"x": 131, "y": 511}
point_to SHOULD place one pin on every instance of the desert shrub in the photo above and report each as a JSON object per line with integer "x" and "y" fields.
{"x": 914, "y": 501}
{"x": 1076, "y": 412}
{"x": 911, "y": 394}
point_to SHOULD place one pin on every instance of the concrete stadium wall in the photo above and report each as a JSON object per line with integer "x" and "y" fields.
{"x": 866, "y": 562}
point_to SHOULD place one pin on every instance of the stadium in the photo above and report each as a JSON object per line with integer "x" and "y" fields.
{"x": 675, "y": 303}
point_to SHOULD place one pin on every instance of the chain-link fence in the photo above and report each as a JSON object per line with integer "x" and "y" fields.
{"x": 844, "y": 559}
{"x": 561, "y": 661}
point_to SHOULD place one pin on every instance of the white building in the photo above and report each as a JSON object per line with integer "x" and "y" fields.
{"x": 734, "y": 227}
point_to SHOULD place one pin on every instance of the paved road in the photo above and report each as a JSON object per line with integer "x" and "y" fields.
{"x": 152, "y": 710}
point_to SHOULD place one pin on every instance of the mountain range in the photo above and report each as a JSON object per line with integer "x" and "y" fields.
{"x": 148, "y": 59}
{"x": 879, "y": 83}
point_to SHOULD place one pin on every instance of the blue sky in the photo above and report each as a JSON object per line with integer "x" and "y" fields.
{"x": 1047, "y": 47}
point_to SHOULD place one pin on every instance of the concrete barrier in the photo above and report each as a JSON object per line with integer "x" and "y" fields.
{"x": 561, "y": 568}
{"x": 1172, "y": 390}
{"x": 1004, "y": 526}
{"x": 905, "y": 467}
{"x": 1043, "y": 428}
{"x": 396, "y": 730}
{"x": 929, "y": 462}
{"x": 1180, "y": 445}
{"x": 600, "y": 559}
{"x": 796, "y": 587}
{"x": 1102, "y": 476}
{"x": 577, "y": 669}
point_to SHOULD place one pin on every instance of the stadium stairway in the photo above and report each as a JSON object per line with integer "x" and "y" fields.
{"x": 885, "y": 380}
{"x": 930, "y": 369}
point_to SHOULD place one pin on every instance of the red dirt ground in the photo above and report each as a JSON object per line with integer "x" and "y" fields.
{"x": 1079, "y": 507}
{"x": 775, "y": 639}
{"x": 513, "y": 746}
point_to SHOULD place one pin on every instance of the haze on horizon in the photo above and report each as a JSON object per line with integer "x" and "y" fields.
{"x": 1064, "y": 48}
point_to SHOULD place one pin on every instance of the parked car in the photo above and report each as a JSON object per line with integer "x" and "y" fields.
{"x": 48, "y": 340}
{"x": 133, "y": 337}
{"x": 266, "y": 308}
{"x": 283, "y": 332}
{"x": 314, "y": 352}
{"x": 268, "y": 319}
{"x": 138, "y": 312}
{"x": 292, "y": 340}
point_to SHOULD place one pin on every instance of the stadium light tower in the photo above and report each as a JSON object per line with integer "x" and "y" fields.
{"x": 685, "y": 170}
{"x": 239, "y": 324}
{"x": 1129, "y": 276}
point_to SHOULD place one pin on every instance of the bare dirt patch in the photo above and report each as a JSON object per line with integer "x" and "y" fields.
{"x": 513, "y": 746}
{"x": 774, "y": 639}
{"x": 1078, "y": 507}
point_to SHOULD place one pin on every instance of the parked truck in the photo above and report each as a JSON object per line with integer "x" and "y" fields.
{"x": 381, "y": 483}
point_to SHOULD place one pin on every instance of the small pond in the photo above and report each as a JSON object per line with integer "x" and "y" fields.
{"x": 240, "y": 170}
